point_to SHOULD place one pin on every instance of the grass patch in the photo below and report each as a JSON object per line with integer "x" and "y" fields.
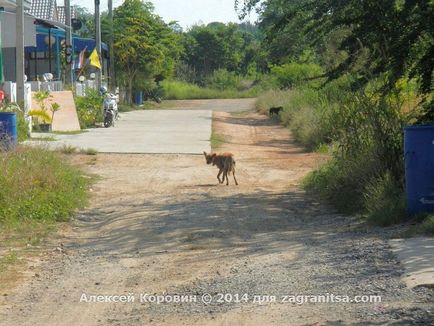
{"x": 67, "y": 149}
{"x": 301, "y": 113}
{"x": 240, "y": 114}
{"x": 38, "y": 189}
{"x": 73, "y": 132}
{"x": 385, "y": 201}
{"x": 36, "y": 184}
{"x": 177, "y": 90}
{"x": 421, "y": 224}
{"x": 47, "y": 138}
{"x": 89, "y": 151}
{"x": 147, "y": 105}
{"x": 427, "y": 226}
{"x": 216, "y": 139}
{"x": 10, "y": 258}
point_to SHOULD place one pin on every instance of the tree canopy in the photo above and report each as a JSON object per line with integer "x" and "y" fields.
{"x": 145, "y": 47}
{"x": 394, "y": 37}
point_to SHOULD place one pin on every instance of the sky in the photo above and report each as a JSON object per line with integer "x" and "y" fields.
{"x": 186, "y": 12}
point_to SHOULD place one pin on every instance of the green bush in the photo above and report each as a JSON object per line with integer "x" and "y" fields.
{"x": 303, "y": 113}
{"x": 342, "y": 182}
{"x": 178, "y": 90}
{"x": 35, "y": 184}
{"x": 365, "y": 173}
{"x": 297, "y": 74}
{"x": 22, "y": 127}
{"x": 427, "y": 225}
{"x": 89, "y": 108}
{"x": 385, "y": 201}
{"x": 224, "y": 80}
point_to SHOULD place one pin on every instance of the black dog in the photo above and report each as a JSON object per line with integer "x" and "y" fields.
{"x": 275, "y": 111}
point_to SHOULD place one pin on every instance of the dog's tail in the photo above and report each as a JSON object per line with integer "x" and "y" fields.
{"x": 232, "y": 165}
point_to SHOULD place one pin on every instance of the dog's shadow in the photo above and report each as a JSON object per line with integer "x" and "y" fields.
{"x": 207, "y": 185}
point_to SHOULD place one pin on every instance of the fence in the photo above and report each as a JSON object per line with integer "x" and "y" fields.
{"x": 51, "y": 86}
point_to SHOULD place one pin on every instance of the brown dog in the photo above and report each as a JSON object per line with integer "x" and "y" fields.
{"x": 225, "y": 163}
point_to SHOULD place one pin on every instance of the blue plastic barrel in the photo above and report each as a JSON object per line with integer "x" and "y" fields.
{"x": 8, "y": 130}
{"x": 419, "y": 168}
{"x": 138, "y": 98}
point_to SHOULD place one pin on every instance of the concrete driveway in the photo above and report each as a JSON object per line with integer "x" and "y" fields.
{"x": 153, "y": 132}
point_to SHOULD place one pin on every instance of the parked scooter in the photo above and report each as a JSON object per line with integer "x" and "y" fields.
{"x": 110, "y": 107}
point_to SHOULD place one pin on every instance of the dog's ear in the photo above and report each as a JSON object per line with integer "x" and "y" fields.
{"x": 214, "y": 155}
{"x": 204, "y": 153}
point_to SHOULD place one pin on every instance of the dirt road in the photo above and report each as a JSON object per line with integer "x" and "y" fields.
{"x": 161, "y": 225}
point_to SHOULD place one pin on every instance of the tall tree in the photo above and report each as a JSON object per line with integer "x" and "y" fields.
{"x": 221, "y": 46}
{"x": 145, "y": 47}
{"x": 395, "y": 36}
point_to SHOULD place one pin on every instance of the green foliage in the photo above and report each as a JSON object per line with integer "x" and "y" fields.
{"x": 89, "y": 151}
{"x": 216, "y": 140}
{"x": 222, "y": 79}
{"x": 67, "y": 149}
{"x": 217, "y": 46}
{"x": 36, "y": 184}
{"x": 342, "y": 183}
{"x": 385, "y": 201}
{"x": 88, "y": 21}
{"x": 41, "y": 115}
{"x": 89, "y": 108}
{"x": 297, "y": 74}
{"x": 427, "y": 225}
{"x": 177, "y": 90}
{"x": 45, "y": 105}
{"x": 145, "y": 47}
{"x": 365, "y": 173}
{"x": 303, "y": 113}
{"x": 382, "y": 39}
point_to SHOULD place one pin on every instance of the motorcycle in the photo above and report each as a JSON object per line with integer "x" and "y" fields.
{"x": 110, "y": 107}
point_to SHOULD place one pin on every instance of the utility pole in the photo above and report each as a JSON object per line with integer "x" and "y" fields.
{"x": 111, "y": 51}
{"x": 19, "y": 52}
{"x": 98, "y": 42}
{"x": 69, "y": 51}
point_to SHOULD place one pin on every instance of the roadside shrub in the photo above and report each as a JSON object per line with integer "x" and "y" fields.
{"x": 89, "y": 108}
{"x": 178, "y": 90}
{"x": 305, "y": 114}
{"x": 427, "y": 225}
{"x": 273, "y": 98}
{"x": 385, "y": 201}
{"x": 22, "y": 127}
{"x": 222, "y": 80}
{"x": 297, "y": 74}
{"x": 36, "y": 184}
{"x": 342, "y": 182}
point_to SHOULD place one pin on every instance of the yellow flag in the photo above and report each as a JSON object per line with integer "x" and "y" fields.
{"x": 94, "y": 59}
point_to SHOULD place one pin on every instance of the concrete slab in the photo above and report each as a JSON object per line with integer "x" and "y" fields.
{"x": 148, "y": 132}
{"x": 417, "y": 256}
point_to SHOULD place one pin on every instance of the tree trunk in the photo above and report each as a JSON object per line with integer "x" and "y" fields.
{"x": 130, "y": 90}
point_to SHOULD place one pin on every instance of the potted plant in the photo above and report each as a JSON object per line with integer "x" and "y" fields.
{"x": 45, "y": 107}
